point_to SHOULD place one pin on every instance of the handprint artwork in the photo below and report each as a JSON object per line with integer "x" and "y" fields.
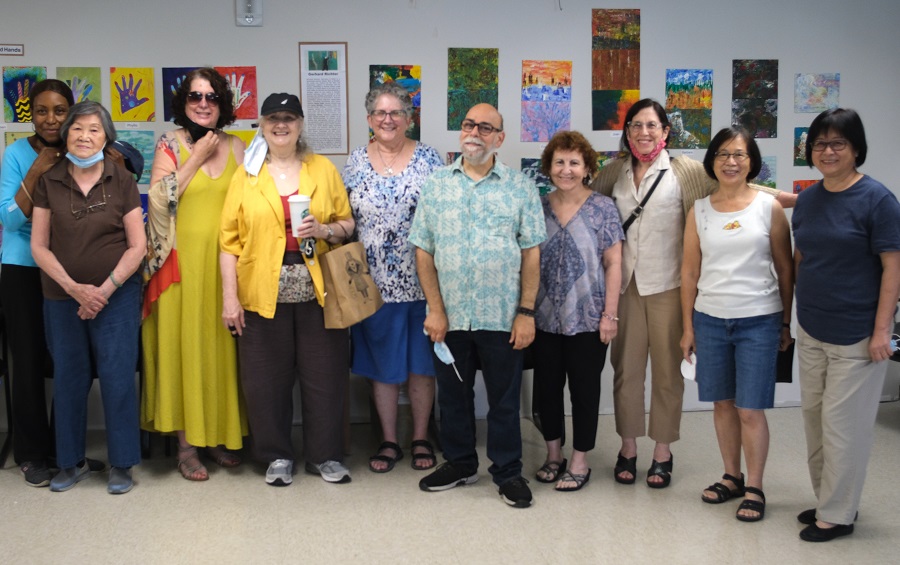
{"x": 84, "y": 82}
{"x": 242, "y": 81}
{"x": 17, "y": 81}
{"x": 132, "y": 94}
{"x": 172, "y": 78}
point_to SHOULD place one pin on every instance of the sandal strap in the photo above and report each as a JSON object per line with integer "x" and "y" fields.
{"x": 422, "y": 443}
{"x": 738, "y": 482}
{"x": 757, "y": 492}
{"x": 624, "y": 464}
{"x": 723, "y": 493}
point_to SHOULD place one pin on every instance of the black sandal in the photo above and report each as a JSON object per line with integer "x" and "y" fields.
{"x": 430, "y": 457}
{"x": 552, "y": 470}
{"x": 723, "y": 493}
{"x": 390, "y": 461}
{"x": 758, "y": 506}
{"x": 662, "y": 470}
{"x": 624, "y": 465}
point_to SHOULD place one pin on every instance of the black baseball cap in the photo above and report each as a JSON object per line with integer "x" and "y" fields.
{"x": 281, "y": 102}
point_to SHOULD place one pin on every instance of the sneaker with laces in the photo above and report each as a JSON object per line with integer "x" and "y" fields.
{"x": 516, "y": 493}
{"x": 279, "y": 473}
{"x": 330, "y": 471}
{"x": 68, "y": 478}
{"x": 446, "y": 477}
{"x": 37, "y": 474}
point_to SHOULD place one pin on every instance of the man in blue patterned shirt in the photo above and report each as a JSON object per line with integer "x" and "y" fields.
{"x": 477, "y": 229}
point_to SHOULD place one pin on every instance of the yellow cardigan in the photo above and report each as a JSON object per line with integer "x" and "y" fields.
{"x": 253, "y": 228}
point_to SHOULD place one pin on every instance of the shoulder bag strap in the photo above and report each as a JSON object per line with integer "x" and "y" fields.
{"x": 640, "y": 207}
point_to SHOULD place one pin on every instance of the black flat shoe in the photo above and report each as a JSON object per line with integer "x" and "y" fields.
{"x": 814, "y": 533}
{"x": 624, "y": 465}
{"x": 809, "y": 516}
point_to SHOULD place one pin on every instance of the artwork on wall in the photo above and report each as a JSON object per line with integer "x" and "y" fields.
{"x": 754, "y": 96}
{"x": 615, "y": 65}
{"x": 84, "y": 82}
{"x": 410, "y": 78}
{"x": 800, "y": 147}
{"x": 531, "y": 168}
{"x": 801, "y": 185}
{"x": 132, "y": 94}
{"x": 10, "y": 137}
{"x": 144, "y": 142}
{"x": 324, "y": 91}
{"x": 17, "y": 83}
{"x": 242, "y": 82}
{"x": 472, "y": 78}
{"x": 689, "y": 107}
{"x": 767, "y": 172}
{"x": 546, "y": 99}
{"x": 604, "y": 157}
{"x": 452, "y": 156}
{"x": 172, "y": 77}
{"x": 814, "y": 93}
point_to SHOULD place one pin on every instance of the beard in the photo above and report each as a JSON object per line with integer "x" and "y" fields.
{"x": 478, "y": 156}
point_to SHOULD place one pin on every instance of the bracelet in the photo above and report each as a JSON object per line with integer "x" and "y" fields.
{"x": 113, "y": 279}
{"x": 25, "y": 190}
{"x": 525, "y": 311}
{"x": 608, "y": 317}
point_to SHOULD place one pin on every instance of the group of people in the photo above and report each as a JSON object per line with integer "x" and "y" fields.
{"x": 654, "y": 257}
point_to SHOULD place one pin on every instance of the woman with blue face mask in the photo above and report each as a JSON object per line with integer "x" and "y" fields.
{"x": 88, "y": 240}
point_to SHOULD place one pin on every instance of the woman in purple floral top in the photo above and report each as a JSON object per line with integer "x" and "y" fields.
{"x": 577, "y": 304}
{"x": 384, "y": 179}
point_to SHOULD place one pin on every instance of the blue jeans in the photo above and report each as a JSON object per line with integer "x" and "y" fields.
{"x": 501, "y": 366}
{"x": 113, "y": 338}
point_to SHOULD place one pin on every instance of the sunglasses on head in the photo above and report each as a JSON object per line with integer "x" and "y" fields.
{"x": 196, "y": 97}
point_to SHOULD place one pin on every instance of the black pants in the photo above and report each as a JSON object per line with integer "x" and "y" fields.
{"x": 22, "y": 300}
{"x": 581, "y": 357}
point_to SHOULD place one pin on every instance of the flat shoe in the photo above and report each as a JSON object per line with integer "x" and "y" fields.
{"x": 386, "y": 459}
{"x": 723, "y": 493}
{"x": 120, "y": 480}
{"x": 551, "y": 470}
{"x": 662, "y": 470}
{"x": 624, "y": 465}
{"x": 569, "y": 477}
{"x": 814, "y": 533}
{"x": 758, "y": 506}
{"x": 809, "y": 516}
{"x": 416, "y": 457}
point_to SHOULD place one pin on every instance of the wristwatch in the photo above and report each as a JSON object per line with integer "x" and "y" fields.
{"x": 330, "y": 231}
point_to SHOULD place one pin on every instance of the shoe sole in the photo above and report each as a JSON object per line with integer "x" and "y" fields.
{"x": 516, "y": 503}
{"x": 116, "y": 491}
{"x": 808, "y": 517}
{"x": 77, "y": 480}
{"x": 461, "y": 482}
{"x": 40, "y": 484}
{"x": 279, "y": 482}
{"x": 343, "y": 479}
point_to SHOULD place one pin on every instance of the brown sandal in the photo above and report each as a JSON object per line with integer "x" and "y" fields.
{"x": 191, "y": 472}
{"x": 223, "y": 457}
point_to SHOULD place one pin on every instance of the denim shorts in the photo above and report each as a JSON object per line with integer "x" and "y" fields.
{"x": 736, "y": 359}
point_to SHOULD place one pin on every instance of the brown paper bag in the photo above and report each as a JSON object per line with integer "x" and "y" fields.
{"x": 350, "y": 293}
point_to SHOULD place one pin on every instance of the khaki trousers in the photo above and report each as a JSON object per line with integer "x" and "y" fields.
{"x": 840, "y": 388}
{"x": 648, "y": 325}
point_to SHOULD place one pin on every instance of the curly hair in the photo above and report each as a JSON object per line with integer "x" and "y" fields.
{"x": 219, "y": 86}
{"x": 569, "y": 141}
{"x": 392, "y": 89}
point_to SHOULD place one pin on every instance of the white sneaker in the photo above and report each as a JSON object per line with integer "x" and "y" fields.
{"x": 330, "y": 471}
{"x": 279, "y": 473}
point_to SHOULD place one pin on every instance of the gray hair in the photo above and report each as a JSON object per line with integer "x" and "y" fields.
{"x": 89, "y": 108}
{"x": 392, "y": 89}
{"x": 303, "y": 149}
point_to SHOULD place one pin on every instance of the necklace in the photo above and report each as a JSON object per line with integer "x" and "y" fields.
{"x": 282, "y": 175}
{"x": 388, "y": 167}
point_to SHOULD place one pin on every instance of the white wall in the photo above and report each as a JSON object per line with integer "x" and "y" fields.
{"x": 857, "y": 39}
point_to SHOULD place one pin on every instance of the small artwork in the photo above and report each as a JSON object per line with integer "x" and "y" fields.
{"x": 172, "y": 78}
{"x": 801, "y": 185}
{"x": 754, "y": 96}
{"x": 242, "y": 82}
{"x": 323, "y": 61}
{"x": 84, "y": 82}
{"x": 410, "y": 78}
{"x": 132, "y": 95}
{"x": 689, "y": 89}
{"x": 800, "y": 147}
{"x": 690, "y": 128}
{"x": 546, "y": 99}
{"x": 452, "y": 156}
{"x": 615, "y": 29}
{"x": 767, "y": 173}
{"x": 472, "y": 78}
{"x": 531, "y": 168}
{"x": 10, "y": 137}
{"x": 17, "y": 83}
{"x": 608, "y": 108}
{"x": 144, "y": 142}
{"x": 814, "y": 93}
{"x": 604, "y": 157}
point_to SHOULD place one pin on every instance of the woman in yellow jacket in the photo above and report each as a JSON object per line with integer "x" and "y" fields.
{"x": 273, "y": 294}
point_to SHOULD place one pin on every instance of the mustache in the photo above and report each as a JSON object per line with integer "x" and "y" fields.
{"x": 475, "y": 140}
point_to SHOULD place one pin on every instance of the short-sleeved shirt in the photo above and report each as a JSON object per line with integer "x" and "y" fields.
{"x": 572, "y": 295}
{"x": 87, "y": 237}
{"x": 840, "y": 236}
{"x": 476, "y": 231}
{"x": 383, "y": 208}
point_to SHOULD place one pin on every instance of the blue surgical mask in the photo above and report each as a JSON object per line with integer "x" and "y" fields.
{"x": 443, "y": 353}
{"x": 88, "y": 161}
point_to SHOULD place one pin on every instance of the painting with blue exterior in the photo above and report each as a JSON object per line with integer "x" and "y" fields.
{"x": 546, "y": 99}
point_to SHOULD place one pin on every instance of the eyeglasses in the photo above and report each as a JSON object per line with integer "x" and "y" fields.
{"x": 723, "y": 156}
{"x": 638, "y": 126}
{"x": 195, "y": 97}
{"x": 88, "y": 208}
{"x": 835, "y": 144}
{"x": 484, "y": 128}
{"x": 380, "y": 115}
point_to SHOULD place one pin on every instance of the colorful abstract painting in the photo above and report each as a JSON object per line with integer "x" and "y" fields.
{"x": 754, "y": 96}
{"x": 472, "y": 78}
{"x": 172, "y": 77}
{"x": 242, "y": 82}
{"x": 17, "y": 83}
{"x": 546, "y": 99}
{"x": 615, "y": 65}
{"x": 531, "y": 168}
{"x": 800, "y": 147}
{"x": 132, "y": 94}
{"x": 84, "y": 82}
{"x": 801, "y": 185}
{"x": 144, "y": 142}
{"x": 604, "y": 157}
{"x": 689, "y": 107}
{"x": 10, "y": 137}
{"x": 767, "y": 174}
{"x": 410, "y": 78}
{"x": 814, "y": 93}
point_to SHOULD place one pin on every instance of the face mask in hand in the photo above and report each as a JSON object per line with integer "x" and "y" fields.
{"x": 196, "y": 131}
{"x": 444, "y": 354}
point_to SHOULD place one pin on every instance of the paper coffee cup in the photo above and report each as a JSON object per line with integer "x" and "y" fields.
{"x": 299, "y": 205}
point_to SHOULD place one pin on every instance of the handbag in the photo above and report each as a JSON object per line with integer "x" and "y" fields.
{"x": 350, "y": 292}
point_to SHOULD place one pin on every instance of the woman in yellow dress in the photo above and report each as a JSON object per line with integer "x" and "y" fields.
{"x": 190, "y": 363}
